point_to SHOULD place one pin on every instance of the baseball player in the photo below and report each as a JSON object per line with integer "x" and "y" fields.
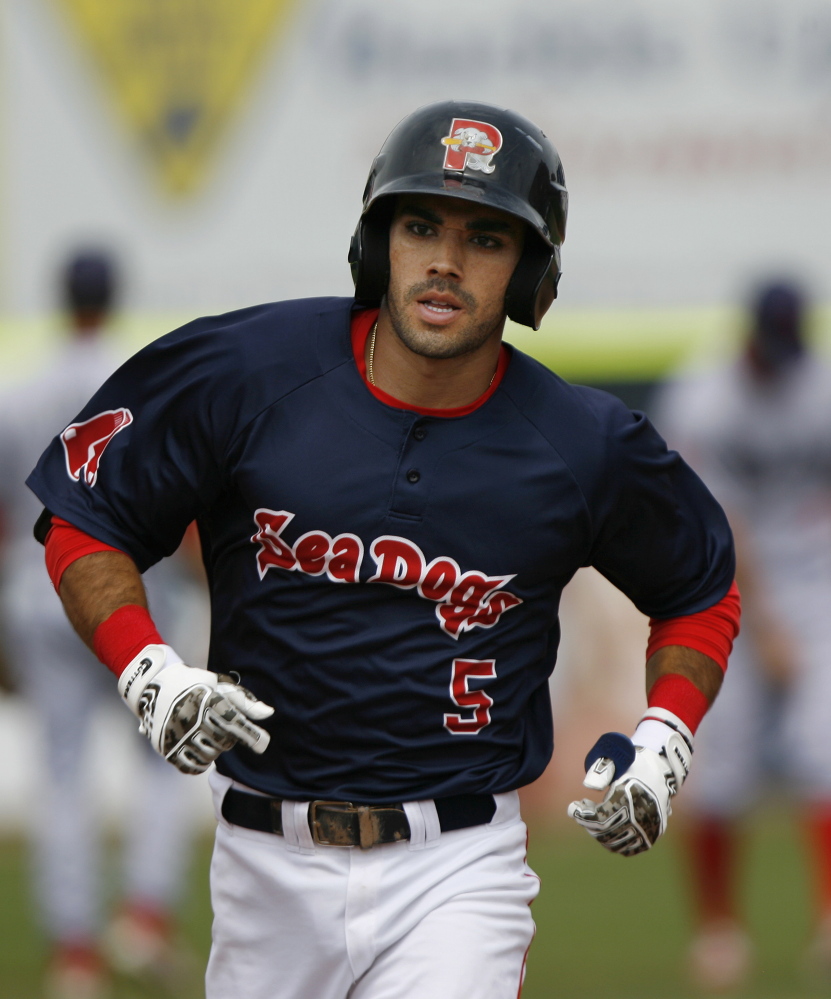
{"x": 62, "y": 684}
{"x": 390, "y": 502}
{"x": 757, "y": 430}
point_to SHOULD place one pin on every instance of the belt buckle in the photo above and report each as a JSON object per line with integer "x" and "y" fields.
{"x": 344, "y": 807}
{"x": 367, "y": 830}
{"x": 370, "y": 829}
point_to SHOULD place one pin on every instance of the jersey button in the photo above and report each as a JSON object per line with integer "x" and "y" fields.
{"x": 419, "y": 433}
{"x": 413, "y": 475}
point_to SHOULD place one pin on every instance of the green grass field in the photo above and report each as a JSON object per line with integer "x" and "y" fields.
{"x": 615, "y": 928}
{"x": 607, "y": 927}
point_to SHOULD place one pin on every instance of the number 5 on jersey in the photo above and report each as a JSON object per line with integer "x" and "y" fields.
{"x": 478, "y": 700}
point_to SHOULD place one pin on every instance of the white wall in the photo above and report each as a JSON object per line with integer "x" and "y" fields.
{"x": 696, "y": 138}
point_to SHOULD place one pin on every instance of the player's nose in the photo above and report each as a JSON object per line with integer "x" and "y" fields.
{"x": 448, "y": 256}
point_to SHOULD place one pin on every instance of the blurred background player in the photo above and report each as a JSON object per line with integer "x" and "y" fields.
{"x": 63, "y": 685}
{"x": 758, "y": 431}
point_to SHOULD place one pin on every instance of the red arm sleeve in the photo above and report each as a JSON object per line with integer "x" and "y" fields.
{"x": 64, "y": 545}
{"x": 711, "y": 632}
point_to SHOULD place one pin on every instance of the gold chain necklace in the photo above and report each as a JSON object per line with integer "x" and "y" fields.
{"x": 369, "y": 368}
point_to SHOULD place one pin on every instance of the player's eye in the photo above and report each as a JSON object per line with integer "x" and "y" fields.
{"x": 486, "y": 241}
{"x": 419, "y": 228}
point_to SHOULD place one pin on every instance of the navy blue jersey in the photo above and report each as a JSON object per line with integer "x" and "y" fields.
{"x": 389, "y": 581}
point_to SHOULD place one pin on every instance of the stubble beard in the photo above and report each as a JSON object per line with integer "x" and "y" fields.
{"x": 441, "y": 343}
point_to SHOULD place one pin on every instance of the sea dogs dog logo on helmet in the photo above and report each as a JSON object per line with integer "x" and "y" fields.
{"x": 471, "y": 144}
{"x": 84, "y": 443}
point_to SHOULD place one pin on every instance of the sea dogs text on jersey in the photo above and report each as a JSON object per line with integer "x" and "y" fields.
{"x": 465, "y": 599}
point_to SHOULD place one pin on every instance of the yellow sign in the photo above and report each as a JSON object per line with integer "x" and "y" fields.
{"x": 178, "y": 69}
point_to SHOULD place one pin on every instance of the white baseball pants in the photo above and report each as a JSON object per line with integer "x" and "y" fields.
{"x": 446, "y": 914}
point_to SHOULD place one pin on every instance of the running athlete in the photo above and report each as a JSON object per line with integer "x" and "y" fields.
{"x": 758, "y": 430}
{"x": 390, "y": 502}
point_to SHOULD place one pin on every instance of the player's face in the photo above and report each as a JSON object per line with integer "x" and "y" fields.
{"x": 450, "y": 264}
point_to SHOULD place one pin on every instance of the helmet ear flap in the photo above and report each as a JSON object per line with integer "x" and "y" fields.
{"x": 533, "y": 285}
{"x": 369, "y": 253}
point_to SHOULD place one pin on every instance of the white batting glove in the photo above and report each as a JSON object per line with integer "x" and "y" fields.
{"x": 640, "y": 775}
{"x": 190, "y": 715}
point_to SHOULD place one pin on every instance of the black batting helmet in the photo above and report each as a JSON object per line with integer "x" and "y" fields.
{"x": 477, "y": 152}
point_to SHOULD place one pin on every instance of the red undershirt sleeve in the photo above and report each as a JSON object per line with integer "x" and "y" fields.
{"x": 65, "y": 544}
{"x": 711, "y": 632}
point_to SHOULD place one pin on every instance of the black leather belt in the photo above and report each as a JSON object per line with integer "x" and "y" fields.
{"x": 340, "y": 823}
